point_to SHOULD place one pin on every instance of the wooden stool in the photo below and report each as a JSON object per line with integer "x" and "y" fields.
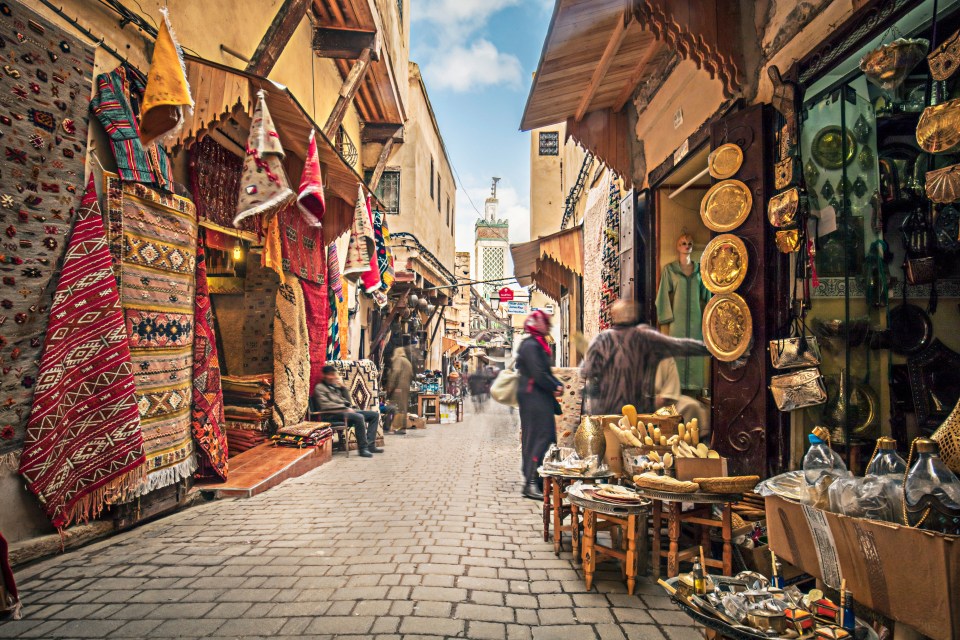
{"x": 701, "y": 515}
{"x": 631, "y": 520}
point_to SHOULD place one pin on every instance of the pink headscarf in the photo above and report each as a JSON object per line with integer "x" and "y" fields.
{"x": 537, "y": 325}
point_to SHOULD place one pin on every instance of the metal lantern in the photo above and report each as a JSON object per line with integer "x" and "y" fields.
{"x": 431, "y": 308}
{"x": 412, "y": 300}
{"x": 422, "y": 303}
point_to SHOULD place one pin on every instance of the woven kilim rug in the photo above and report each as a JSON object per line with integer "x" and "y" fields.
{"x": 317, "y": 305}
{"x": 153, "y": 240}
{"x": 44, "y": 128}
{"x": 304, "y": 254}
{"x": 207, "y": 416}
{"x": 291, "y": 357}
{"x": 83, "y": 444}
{"x": 363, "y": 381}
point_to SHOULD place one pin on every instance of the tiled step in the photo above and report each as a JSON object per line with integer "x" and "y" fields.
{"x": 264, "y": 467}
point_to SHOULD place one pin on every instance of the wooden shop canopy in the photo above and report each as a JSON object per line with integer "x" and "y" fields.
{"x": 225, "y": 99}
{"x": 550, "y": 261}
{"x": 347, "y": 26}
{"x": 597, "y": 52}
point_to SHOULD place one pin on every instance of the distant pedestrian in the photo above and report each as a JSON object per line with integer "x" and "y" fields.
{"x": 479, "y": 385}
{"x": 398, "y": 386}
{"x": 537, "y": 394}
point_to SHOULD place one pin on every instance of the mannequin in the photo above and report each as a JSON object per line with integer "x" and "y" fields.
{"x": 680, "y": 301}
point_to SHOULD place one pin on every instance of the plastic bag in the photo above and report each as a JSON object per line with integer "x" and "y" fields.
{"x": 872, "y": 497}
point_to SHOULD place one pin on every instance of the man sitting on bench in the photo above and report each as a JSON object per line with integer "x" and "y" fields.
{"x": 332, "y": 400}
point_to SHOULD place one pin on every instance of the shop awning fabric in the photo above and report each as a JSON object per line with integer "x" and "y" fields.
{"x": 548, "y": 262}
{"x": 224, "y": 101}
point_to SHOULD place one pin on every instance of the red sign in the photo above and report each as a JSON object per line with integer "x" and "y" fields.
{"x": 506, "y": 294}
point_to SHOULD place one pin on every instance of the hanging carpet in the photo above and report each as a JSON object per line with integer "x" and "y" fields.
{"x": 153, "y": 240}
{"x": 316, "y": 303}
{"x": 291, "y": 357}
{"x": 44, "y": 129}
{"x": 381, "y": 234}
{"x": 83, "y": 444}
{"x": 207, "y": 417}
{"x": 304, "y": 254}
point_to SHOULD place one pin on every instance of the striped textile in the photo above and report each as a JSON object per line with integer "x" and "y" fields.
{"x": 84, "y": 444}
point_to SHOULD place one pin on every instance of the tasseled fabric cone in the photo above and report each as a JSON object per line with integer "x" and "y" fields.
{"x": 310, "y": 199}
{"x": 168, "y": 90}
{"x": 263, "y": 184}
{"x": 362, "y": 245}
{"x": 371, "y": 277}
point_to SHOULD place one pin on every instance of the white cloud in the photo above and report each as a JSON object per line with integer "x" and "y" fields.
{"x": 465, "y": 69}
{"x": 462, "y": 17}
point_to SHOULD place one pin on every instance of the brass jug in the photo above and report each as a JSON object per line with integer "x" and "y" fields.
{"x": 589, "y": 439}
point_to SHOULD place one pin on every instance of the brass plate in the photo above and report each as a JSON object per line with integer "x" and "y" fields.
{"x": 726, "y": 205}
{"x": 939, "y": 128}
{"x": 827, "y": 148}
{"x": 727, "y": 326}
{"x": 723, "y": 265}
{"x": 725, "y": 160}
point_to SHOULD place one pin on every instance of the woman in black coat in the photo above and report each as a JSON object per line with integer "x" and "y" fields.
{"x": 536, "y": 395}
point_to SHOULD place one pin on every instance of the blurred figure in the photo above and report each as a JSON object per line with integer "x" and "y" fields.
{"x": 621, "y": 362}
{"x": 479, "y": 384}
{"x": 667, "y": 387}
{"x": 398, "y": 387}
{"x": 537, "y": 395}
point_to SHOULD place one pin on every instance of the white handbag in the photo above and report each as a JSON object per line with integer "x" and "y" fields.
{"x": 505, "y": 385}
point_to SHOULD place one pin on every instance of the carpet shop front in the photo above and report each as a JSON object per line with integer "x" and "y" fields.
{"x": 172, "y": 300}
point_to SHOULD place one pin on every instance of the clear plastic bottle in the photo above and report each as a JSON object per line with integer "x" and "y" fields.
{"x": 820, "y": 458}
{"x": 887, "y": 462}
{"x": 930, "y": 476}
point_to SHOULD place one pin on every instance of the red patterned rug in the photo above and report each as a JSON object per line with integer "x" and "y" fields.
{"x": 317, "y": 304}
{"x": 207, "y": 422}
{"x": 84, "y": 446}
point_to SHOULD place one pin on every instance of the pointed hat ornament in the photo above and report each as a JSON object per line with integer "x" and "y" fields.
{"x": 310, "y": 200}
{"x": 168, "y": 90}
{"x": 263, "y": 183}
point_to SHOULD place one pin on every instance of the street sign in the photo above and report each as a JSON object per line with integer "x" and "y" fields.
{"x": 506, "y": 294}
{"x": 517, "y": 307}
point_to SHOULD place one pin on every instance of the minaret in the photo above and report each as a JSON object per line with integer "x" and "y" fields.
{"x": 491, "y": 245}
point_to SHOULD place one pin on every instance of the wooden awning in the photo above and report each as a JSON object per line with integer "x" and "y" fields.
{"x": 225, "y": 99}
{"x": 378, "y": 98}
{"x": 597, "y": 52}
{"x": 548, "y": 262}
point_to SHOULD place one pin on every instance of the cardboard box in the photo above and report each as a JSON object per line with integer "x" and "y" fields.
{"x": 667, "y": 424}
{"x": 910, "y": 575}
{"x": 417, "y": 423}
{"x": 690, "y": 468}
{"x": 758, "y": 559}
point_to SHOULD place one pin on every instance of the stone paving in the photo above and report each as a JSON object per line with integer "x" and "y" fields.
{"x": 429, "y": 539}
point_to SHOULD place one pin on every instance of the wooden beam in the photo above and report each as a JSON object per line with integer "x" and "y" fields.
{"x": 381, "y": 165}
{"x": 381, "y": 132}
{"x": 277, "y": 36}
{"x": 609, "y": 53}
{"x": 631, "y": 84}
{"x": 336, "y": 42}
{"x": 347, "y": 91}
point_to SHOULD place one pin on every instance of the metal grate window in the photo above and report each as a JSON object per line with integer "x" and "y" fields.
{"x": 388, "y": 190}
{"x": 549, "y": 143}
{"x": 492, "y": 267}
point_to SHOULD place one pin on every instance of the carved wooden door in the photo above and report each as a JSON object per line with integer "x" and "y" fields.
{"x": 747, "y": 428}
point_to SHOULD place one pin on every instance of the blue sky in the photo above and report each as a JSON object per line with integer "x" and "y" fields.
{"x": 477, "y": 58}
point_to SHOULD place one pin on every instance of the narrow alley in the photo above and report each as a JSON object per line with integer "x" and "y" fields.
{"x": 429, "y": 539}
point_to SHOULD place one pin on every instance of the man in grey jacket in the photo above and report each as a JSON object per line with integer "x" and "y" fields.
{"x": 332, "y": 400}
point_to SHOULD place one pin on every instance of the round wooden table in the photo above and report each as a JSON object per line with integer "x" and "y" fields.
{"x": 554, "y": 491}
{"x": 699, "y": 515}
{"x": 632, "y": 520}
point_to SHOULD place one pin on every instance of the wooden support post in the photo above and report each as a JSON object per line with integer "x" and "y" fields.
{"x": 277, "y": 36}
{"x": 347, "y": 93}
{"x": 381, "y": 165}
{"x": 609, "y": 53}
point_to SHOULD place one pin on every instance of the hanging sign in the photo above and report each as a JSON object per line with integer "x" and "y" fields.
{"x": 506, "y": 294}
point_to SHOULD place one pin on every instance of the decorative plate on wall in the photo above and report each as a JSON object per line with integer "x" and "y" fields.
{"x": 725, "y": 160}
{"x": 828, "y": 148}
{"x": 726, "y": 205}
{"x": 723, "y": 265}
{"x": 727, "y": 326}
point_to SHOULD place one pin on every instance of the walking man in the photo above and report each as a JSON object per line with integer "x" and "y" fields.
{"x": 332, "y": 399}
{"x": 398, "y": 386}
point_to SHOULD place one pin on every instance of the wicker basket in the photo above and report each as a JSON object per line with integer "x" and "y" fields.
{"x": 734, "y": 484}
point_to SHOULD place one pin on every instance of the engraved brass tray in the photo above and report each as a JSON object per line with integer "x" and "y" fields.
{"x": 828, "y": 150}
{"x": 726, "y": 205}
{"x": 727, "y": 326}
{"x": 723, "y": 265}
{"x": 725, "y": 160}
{"x": 939, "y": 128}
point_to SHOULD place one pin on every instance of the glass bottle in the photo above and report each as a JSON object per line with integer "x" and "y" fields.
{"x": 929, "y": 476}
{"x": 820, "y": 459}
{"x": 887, "y": 462}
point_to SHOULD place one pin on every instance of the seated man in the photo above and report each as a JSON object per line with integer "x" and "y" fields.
{"x": 333, "y": 402}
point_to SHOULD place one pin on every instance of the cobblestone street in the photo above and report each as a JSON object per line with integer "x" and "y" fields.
{"x": 429, "y": 539}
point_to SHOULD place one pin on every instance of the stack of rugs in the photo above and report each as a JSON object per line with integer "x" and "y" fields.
{"x": 247, "y": 410}
{"x": 305, "y": 434}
